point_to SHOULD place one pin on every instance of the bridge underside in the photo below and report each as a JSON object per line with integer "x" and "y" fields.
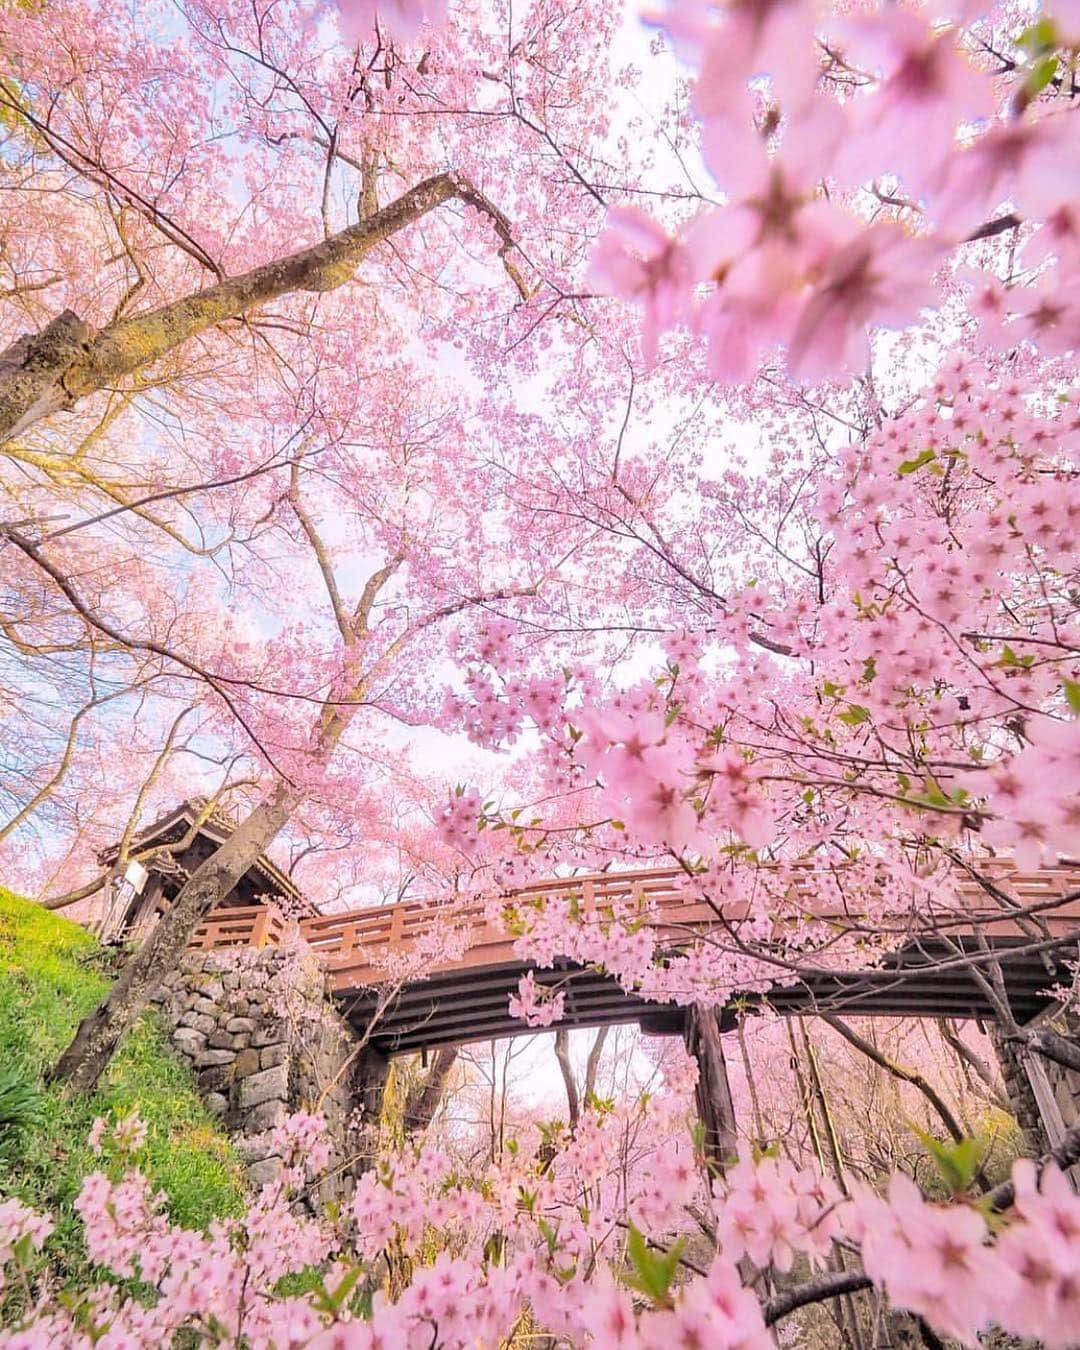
{"x": 472, "y": 1005}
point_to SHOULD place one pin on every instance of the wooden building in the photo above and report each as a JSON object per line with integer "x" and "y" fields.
{"x": 167, "y": 853}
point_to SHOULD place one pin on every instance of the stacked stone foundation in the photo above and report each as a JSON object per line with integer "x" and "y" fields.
{"x": 263, "y": 1040}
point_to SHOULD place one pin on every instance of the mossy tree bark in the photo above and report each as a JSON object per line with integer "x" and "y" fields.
{"x": 424, "y": 1099}
{"x": 51, "y": 370}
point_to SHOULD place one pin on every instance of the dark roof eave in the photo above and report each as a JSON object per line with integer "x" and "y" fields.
{"x": 213, "y": 829}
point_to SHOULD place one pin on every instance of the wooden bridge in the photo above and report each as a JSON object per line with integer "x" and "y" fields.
{"x": 918, "y": 966}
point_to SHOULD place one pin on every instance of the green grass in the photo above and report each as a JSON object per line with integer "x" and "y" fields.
{"x": 51, "y": 974}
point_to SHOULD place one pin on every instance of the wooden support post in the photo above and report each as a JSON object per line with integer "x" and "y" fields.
{"x": 715, "y": 1107}
{"x": 1022, "y": 1099}
{"x": 143, "y": 916}
{"x": 260, "y": 929}
{"x": 1055, "y": 1087}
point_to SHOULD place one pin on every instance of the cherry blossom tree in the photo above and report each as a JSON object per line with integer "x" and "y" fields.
{"x": 289, "y": 437}
{"x": 870, "y": 682}
{"x": 385, "y": 367}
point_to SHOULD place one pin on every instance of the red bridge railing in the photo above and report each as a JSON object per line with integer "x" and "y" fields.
{"x": 241, "y": 926}
{"x": 354, "y": 945}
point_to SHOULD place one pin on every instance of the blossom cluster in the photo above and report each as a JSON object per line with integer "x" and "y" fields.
{"x": 844, "y": 730}
{"x": 20, "y": 1226}
{"x": 769, "y": 1210}
{"x": 937, "y": 1260}
{"x": 302, "y": 1144}
{"x": 853, "y": 151}
{"x": 535, "y": 1008}
{"x": 560, "y": 1238}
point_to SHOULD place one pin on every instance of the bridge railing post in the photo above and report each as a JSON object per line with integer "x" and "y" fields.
{"x": 260, "y": 929}
{"x": 348, "y": 940}
{"x": 588, "y": 900}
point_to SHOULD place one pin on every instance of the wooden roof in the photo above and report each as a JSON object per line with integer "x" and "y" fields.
{"x": 217, "y": 826}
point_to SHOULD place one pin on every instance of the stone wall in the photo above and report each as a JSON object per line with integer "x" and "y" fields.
{"x": 264, "y": 1040}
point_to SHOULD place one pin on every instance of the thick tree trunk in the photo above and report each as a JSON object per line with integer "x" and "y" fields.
{"x": 573, "y": 1098}
{"x": 423, "y": 1101}
{"x": 99, "y": 1033}
{"x": 715, "y": 1107}
{"x": 32, "y": 371}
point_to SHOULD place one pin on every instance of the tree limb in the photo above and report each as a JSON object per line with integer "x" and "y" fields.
{"x": 53, "y": 369}
{"x": 898, "y": 1071}
{"x": 1051, "y": 1046}
{"x": 815, "y": 1291}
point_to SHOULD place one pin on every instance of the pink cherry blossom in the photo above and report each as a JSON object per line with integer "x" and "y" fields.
{"x": 534, "y": 1007}
{"x": 637, "y": 260}
{"x": 402, "y": 19}
{"x": 881, "y": 277}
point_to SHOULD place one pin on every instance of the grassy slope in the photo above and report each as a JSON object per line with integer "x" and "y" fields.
{"x": 51, "y": 974}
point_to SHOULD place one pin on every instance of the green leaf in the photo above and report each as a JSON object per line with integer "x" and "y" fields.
{"x": 1072, "y": 695}
{"x": 1040, "y": 36}
{"x": 1040, "y": 75}
{"x": 854, "y": 714}
{"x": 364, "y": 1307}
{"x": 341, "y": 1295}
{"x": 1009, "y": 659}
{"x": 653, "y": 1270}
{"x": 957, "y": 1162}
{"x": 912, "y": 465}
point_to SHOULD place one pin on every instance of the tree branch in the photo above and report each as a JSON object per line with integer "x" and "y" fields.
{"x": 1065, "y": 1155}
{"x": 1051, "y": 1046}
{"x": 815, "y": 1291}
{"x": 52, "y": 370}
{"x": 898, "y": 1071}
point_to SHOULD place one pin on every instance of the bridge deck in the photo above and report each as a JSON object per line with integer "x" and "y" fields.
{"x": 466, "y": 998}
